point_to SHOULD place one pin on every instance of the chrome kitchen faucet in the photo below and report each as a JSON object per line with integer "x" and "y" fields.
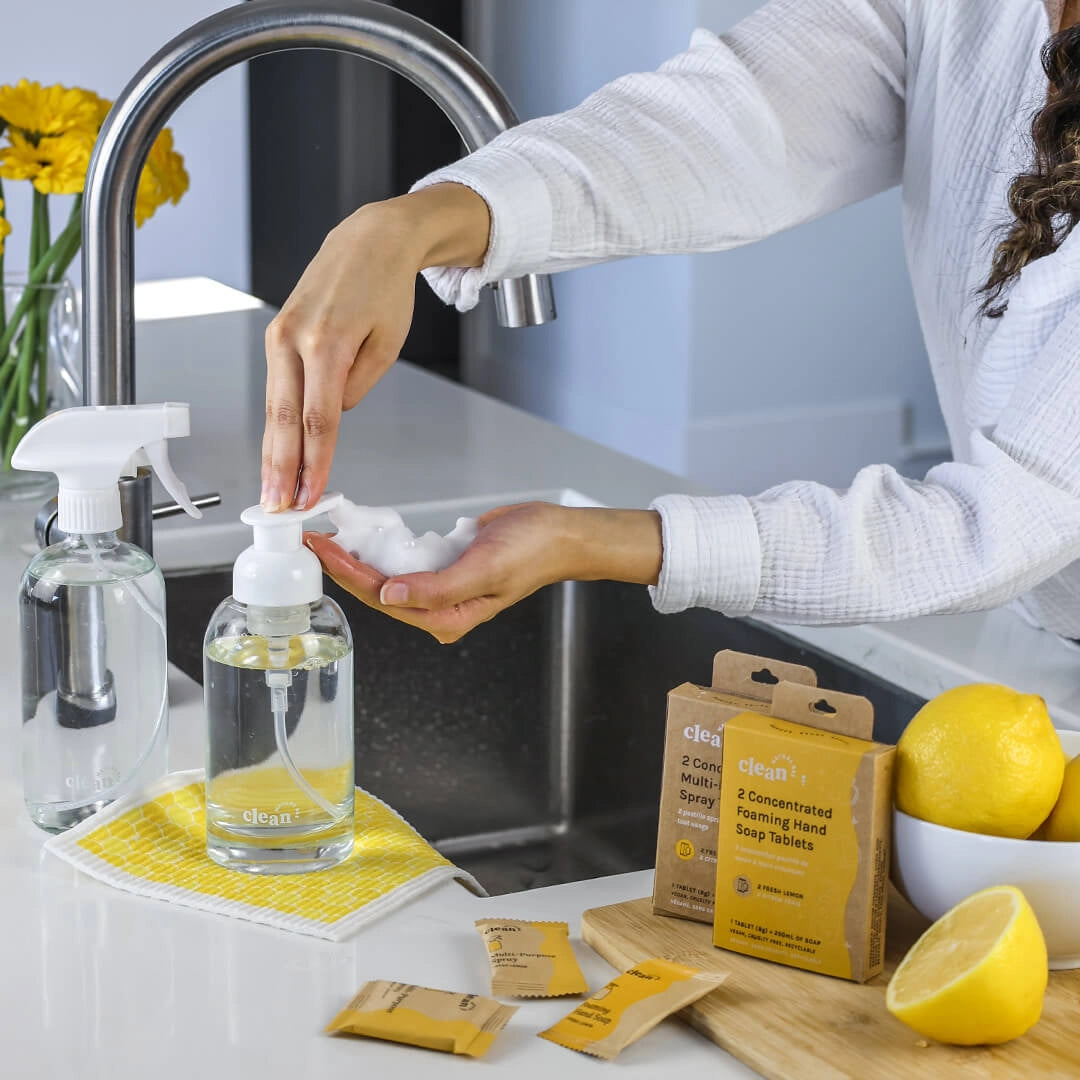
{"x": 446, "y": 72}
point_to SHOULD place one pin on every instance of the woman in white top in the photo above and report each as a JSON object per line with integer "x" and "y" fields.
{"x": 805, "y": 106}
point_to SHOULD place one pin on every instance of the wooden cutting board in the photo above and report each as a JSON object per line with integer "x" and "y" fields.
{"x": 796, "y": 1025}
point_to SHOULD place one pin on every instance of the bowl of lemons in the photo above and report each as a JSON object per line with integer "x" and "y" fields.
{"x": 987, "y": 794}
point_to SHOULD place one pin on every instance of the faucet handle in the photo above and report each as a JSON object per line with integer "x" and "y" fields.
{"x": 171, "y": 509}
{"x": 45, "y": 522}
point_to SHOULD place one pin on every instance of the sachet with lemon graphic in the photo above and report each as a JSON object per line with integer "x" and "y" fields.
{"x": 154, "y": 844}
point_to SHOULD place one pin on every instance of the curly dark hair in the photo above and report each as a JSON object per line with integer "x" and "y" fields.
{"x": 1045, "y": 200}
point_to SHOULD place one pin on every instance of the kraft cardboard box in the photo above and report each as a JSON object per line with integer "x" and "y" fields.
{"x": 804, "y": 836}
{"x": 689, "y": 801}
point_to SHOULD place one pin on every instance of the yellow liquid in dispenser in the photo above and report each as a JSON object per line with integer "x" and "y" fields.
{"x": 260, "y": 816}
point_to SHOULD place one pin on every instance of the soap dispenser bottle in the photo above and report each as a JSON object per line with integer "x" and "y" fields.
{"x": 92, "y": 616}
{"x": 279, "y": 708}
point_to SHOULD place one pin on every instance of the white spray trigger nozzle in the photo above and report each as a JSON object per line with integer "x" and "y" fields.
{"x": 157, "y": 454}
{"x": 90, "y": 447}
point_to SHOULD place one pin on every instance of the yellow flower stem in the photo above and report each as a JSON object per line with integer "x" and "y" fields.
{"x": 6, "y": 368}
{"x": 38, "y": 228}
{"x": 21, "y": 382}
{"x": 67, "y": 253}
{"x": 32, "y": 357}
{"x": 59, "y": 268}
{"x": 72, "y": 237}
{"x": 39, "y": 273}
{"x": 46, "y": 231}
{"x": 3, "y": 295}
{"x": 29, "y": 321}
{"x": 39, "y": 358}
{"x": 40, "y": 404}
{"x": 9, "y": 400}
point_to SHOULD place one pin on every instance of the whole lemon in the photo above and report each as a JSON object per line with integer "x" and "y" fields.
{"x": 978, "y": 975}
{"x": 982, "y": 758}
{"x": 1064, "y": 820}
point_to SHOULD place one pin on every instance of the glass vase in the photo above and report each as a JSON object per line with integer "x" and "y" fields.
{"x": 40, "y": 371}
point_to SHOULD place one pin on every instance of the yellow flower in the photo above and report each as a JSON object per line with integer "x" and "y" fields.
{"x": 164, "y": 178}
{"x": 67, "y": 158}
{"x": 56, "y": 165}
{"x": 51, "y": 133}
{"x": 38, "y": 111}
{"x": 168, "y": 167}
{"x": 5, "y": 227}
{"x": 20, "y": 160}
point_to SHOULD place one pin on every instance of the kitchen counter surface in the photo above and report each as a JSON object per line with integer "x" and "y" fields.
{"x": 101, "y": 985}
{"x": 96, "y": 983}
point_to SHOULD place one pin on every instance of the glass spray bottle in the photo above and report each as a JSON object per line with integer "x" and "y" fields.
{"x": 92, "y": 617}
{"x": 279, "y": 708}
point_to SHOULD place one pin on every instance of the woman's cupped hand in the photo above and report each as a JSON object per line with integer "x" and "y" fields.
{"x": 518, "y": 550}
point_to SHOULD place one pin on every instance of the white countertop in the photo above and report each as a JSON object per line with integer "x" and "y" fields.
{"x": 97, "y": 983}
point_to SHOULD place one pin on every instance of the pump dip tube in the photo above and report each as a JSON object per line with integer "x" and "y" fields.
{"x": 279, "y": 708}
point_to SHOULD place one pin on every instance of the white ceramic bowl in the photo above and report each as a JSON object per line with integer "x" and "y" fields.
{"x": 936, "y": 868}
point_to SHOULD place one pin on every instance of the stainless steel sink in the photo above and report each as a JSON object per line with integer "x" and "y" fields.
{"x": 530, "y": 752}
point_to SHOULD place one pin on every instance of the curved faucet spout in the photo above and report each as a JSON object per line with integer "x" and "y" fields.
{"x": 440, "y": 67}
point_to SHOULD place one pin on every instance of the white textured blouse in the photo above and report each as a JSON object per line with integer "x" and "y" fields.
{"x": 806, "y": 106}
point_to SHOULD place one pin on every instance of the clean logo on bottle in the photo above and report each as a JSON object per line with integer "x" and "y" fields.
{"x": 277, "y": 816}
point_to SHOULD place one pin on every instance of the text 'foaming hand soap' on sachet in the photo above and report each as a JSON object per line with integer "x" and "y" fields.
{"x": 630, "y": 1006}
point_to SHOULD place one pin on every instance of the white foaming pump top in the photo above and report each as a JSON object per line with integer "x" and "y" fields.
{"x": 91, "y": 447}
{"x": 277, "y": 571}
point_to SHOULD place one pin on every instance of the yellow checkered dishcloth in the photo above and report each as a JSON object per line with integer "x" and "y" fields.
{"x": 154, "y": 844}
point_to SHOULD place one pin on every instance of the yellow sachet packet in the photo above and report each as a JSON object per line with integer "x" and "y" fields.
{"x": 531, "y": 959}
{"x": 436, "y": 1019}
{"x": 630, "y": 1006}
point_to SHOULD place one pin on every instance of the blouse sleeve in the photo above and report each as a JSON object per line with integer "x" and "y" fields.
{"x": 970, "y": 536}
{"x": 797, "y": 111}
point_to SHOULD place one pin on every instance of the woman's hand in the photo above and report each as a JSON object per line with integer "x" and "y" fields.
{"x": 518, "y": 550}
{"x": 346, "y": 321}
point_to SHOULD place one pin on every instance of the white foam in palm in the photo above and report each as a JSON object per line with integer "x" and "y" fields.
{"x": 376, "y": 535}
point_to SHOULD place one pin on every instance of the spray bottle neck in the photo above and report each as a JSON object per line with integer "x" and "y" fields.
{"x": 94, "y": 544}
{"x": 108, "y": 538}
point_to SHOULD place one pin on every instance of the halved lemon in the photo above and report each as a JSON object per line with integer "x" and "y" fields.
{"x": 978, "y": 975}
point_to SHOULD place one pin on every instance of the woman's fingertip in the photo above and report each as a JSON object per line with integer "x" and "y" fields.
{"x": 393, "y": 593}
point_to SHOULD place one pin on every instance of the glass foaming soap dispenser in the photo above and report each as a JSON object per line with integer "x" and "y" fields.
{"x": 279, "y": 708}
{"x": 95, "y": 699}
